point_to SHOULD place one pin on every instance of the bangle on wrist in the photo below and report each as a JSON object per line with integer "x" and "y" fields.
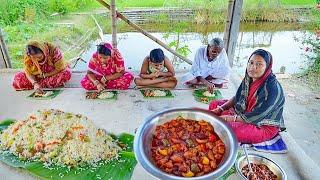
{"x": 220, "y": 108}
{"x": 96, "y": 82}
{"x": 235, "y": 118}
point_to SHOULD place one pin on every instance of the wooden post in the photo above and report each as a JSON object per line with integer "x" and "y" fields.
{"x": 136, "y": 27}
{"x": 114, "y": 23}
{"x": 231, "y": 30}
{"x": 4, "y": 55}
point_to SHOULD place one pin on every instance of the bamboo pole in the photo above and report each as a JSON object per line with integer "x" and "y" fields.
{"x": 4, "y": 55}
{"x": 136, "y": 27}
{"x": 114, "y": 23}
{"x": 99, "y": 27}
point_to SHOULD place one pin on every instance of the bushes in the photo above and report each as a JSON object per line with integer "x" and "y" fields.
{"x": 13, "y": 12}
{"x": 311, "y": 43}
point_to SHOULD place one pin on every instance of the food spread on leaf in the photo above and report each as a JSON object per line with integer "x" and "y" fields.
{"x": 187, "y": 148}
{"x": 44, "y": 94}
{"x": 106, "y": 95}
{"x": 208, "y": 94}
{"x": 100, "y": 95}
{"x": 154, "y": 93}
{"x": 57, "y": 137}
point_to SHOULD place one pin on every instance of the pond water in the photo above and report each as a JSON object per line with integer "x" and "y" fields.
{"x": 286, "y": 51}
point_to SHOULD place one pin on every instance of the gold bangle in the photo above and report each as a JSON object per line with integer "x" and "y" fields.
{"x": 235, "y": 118}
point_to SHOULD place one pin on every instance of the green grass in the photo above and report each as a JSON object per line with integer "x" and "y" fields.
{"x": 219, "y": 3}
{"x": 61, "y": 35}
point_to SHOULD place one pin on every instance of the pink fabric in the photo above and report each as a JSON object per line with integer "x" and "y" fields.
{"x": 114, "y": 65}
{"x": 246, "y": 132}
{"x": 21, "y": 82}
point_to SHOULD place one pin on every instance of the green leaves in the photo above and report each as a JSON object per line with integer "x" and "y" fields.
{"x": 119, "y": 169}
{"x": 198, "y": 96}
{"x": 5, "y": 123}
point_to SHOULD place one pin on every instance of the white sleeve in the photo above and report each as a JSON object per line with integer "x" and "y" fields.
{"x": 224, "y": 70}
{"x": 195, "y": 69}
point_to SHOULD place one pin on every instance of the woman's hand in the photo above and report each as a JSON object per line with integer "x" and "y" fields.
{"x": 217, "y": 111}
{"x": 104, "y": 80}
{"x": 100, "y": 87}
{"x": 40, "y": 76}
{"x": 37, "y": 88}
{"x": 229, "y": 118}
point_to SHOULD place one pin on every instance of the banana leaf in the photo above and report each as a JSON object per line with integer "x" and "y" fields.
{"x": 121, "y": 168}
{"x": 198, "y": 96}
{"x": 56, "y": 92}
{"x": 167, "y": 91}
{"x": 114, "y": 97}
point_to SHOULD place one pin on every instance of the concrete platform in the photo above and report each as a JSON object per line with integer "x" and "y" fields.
{"x": 125, "y": 115}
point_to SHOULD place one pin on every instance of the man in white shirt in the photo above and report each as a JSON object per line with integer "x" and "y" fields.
{"x": 210, "y": 67}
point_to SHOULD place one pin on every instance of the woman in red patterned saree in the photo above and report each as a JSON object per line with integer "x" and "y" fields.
{"x": 44, "y": 67}
{"x": 106, "y": 70}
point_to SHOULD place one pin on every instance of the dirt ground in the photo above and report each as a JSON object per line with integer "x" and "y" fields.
{"x": 302, "y": 115}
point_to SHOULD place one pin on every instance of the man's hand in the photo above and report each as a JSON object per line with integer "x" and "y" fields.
{"x": 210, "y": 86}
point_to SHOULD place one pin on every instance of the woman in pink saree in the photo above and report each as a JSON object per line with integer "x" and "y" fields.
{"x": 44, "y": 67}
{"x": 106, "y": 70}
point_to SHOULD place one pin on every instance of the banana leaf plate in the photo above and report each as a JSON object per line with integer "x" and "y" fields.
{"x": 198, "y": 96}
{"x": 95, "y": 94}
{"x": 169, "y": 94}
{"x": 55, "y": 92}
{"x": 119, "y": 169}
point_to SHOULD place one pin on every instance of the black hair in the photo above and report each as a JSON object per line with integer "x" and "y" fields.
{"x": 32, "y": 50}
{"x": 101, "y": 49}
{"x": 157, "y": 56}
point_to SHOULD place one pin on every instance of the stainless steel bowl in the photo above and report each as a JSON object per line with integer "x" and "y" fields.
{"x": 258, "y": 159}
{"x": 144, "y": 134}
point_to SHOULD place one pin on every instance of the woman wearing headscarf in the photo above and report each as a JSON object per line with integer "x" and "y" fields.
{"x": 106, "y": 70}
{"x": 44, "y": 67}
{"x": 255, "y": 112}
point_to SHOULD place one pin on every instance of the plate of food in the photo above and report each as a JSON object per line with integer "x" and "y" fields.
{"x": 262, "y": 167}
{"x": 52, "y": 144}
{"x": 156, "y": 93}
{"x": 184, "y": 143}
{"x": 104, "y": 95}
{"x": 204, "y": 96}
{"x": 47, "y": 94}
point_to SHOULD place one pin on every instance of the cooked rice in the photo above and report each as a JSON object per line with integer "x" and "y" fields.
{"x": 54, "y": 136}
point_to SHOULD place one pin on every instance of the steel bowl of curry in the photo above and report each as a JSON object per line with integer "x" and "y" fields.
{"x": 262, "y": 168}
{"x": 185, "y": 143}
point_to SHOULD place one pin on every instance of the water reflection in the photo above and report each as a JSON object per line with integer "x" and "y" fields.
{"x": 286, "y": 52}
